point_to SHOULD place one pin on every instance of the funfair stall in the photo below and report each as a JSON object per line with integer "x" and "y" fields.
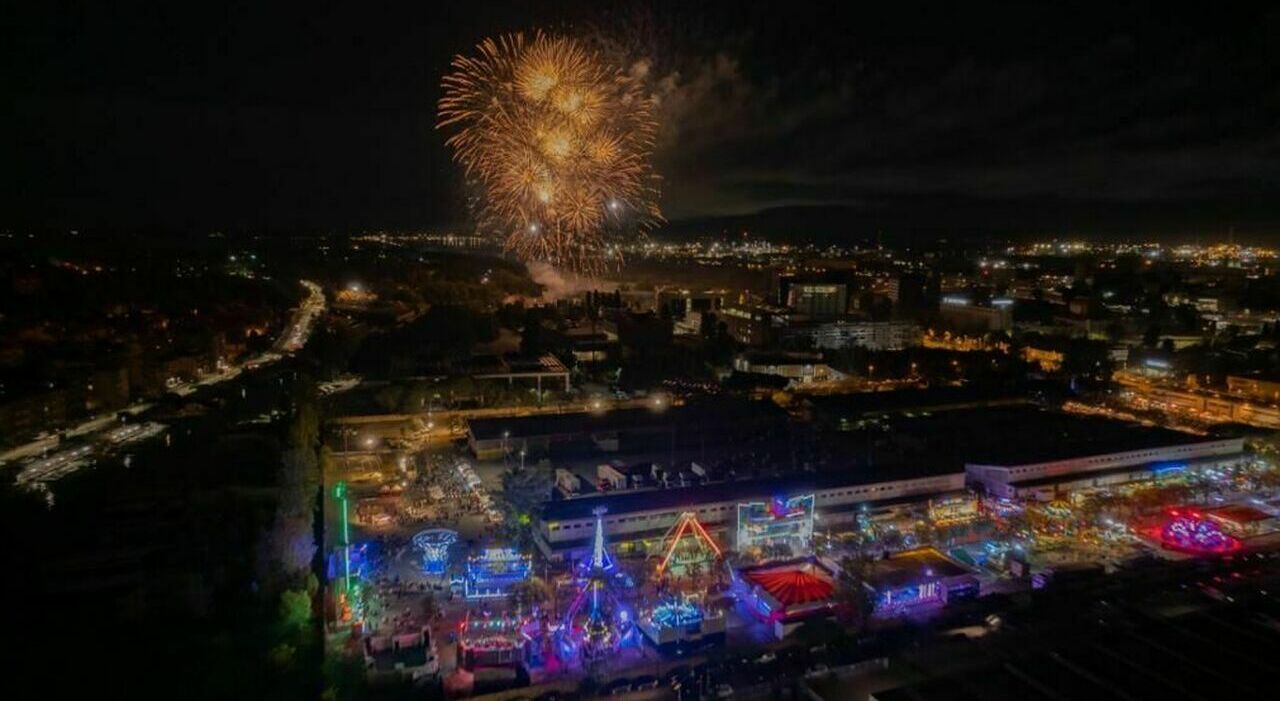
{"x": 493, "y": 572}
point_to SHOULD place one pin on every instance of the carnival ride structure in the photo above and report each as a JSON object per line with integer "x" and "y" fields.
{"x": 1192, "y": 532}
{"x": 687, "y": 548}
{"x": 435, "y": 544}
{"x": 597, "y": 619}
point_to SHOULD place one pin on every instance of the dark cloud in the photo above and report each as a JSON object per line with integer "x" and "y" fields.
{"x": 1111, "y": 112}
{"x": 1127, "y": 118}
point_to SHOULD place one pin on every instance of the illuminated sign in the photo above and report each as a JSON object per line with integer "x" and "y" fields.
{"x": 779, "y": 521}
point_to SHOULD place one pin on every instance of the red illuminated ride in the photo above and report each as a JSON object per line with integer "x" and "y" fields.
{"x": 787, "y": 591}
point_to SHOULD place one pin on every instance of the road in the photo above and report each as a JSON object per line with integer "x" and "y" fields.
{"x": 83, "y": 444}
{"x": 294, "y": 337}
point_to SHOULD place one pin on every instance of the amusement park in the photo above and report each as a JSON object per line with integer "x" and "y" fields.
{"x": 653, "y": 579}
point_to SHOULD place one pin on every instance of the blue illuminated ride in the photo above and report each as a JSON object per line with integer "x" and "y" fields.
{"x": 434, "y": 544}
{"x": 680, "y": 625}
{"x": 596, "y": 620}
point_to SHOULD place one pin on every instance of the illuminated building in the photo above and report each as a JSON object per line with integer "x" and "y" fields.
{"x": 967, "y": 316}
{"x": 494, "y": 641}
{"x": 777, "y": 522}
{"x": 492, "y": 573}
{"x": 948, "y": 511}
{"x": 1199, "y": 403}
{"x": 1086, "y": 452}
{"x": 919, "y": 577}
{"x": 754, "y": 325}
{"x": 1242, "y": 520}
{"x": 402, "y": 654}
{"x": 1048, "y": 360}
{"x": 1258, "y": 387}
{"x": 816, "y": 300}
{"x": 639, "y": 521}
{"x": 800, "y": 368}
{"x": 873, "y": 335}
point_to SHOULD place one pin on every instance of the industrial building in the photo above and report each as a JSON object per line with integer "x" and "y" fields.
{"x": 708, "y": 422}
{"x": 897, "y": 461}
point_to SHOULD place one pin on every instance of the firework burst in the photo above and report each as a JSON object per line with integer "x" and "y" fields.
{"x": 557, "y": 145}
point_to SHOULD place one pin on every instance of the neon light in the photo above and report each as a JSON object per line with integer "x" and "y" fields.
{"x": 706, "y": 537}
{"x": 792, "y": 587}
{"x": 672, "y": 550}
{"x": 676, "y": 613}
{"x": 687, "y": 523}
{"x": 600, "y": 559}
{"x": 340, "y": 493}
{"x": 786, "y": 521}
{"x": 491, "y": 574}
{"x": 1195, "y": 534}
{"x": 606, "y": 622}
{"x": 434, "y": 544}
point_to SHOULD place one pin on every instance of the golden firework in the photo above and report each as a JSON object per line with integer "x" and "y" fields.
{"x": 557, "y": 145}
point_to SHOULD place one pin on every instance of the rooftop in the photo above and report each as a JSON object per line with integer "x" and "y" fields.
{"x": 703, "y": 414}
{"x": 859, "y": 404}
{"x": 698, "y": 495}
{"x": 1239, "y": 513}
{"x": 1207, "y": 654}
{"x": 1023, "y": 437}
{"x": 793, "y": 583}
{"x": 911, "y": 566}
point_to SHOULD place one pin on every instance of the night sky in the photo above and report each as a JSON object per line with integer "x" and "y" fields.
{"x": 1132, "y": 120}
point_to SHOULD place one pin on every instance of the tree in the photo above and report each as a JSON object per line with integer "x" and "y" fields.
{"x": 1151, "y": 336}
{"x": 292, "y": 545}
{"x": 819, "y": 631}
{"x": 526, "y": 489}
{"x": 390, "y": 397}
{"x": 304, "y": 431}
{"x": 295, "y": 610}
{"x": 530, "y": 592}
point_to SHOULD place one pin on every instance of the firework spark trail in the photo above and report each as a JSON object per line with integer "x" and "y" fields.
{"x": 558, "y": 145}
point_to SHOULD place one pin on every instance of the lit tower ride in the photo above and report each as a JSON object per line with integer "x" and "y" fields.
{"x": 599, "y": 630}
{"x": 340, "y": 493}
{"x": 348, "y": 602}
